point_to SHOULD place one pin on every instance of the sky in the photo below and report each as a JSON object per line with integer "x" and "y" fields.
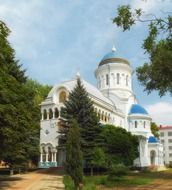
{"x": 54, "y": 39}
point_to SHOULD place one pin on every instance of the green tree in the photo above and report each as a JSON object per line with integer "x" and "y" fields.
{"x": 39, "y": 93}
{"x": 19, "y": 112}
{"x": 157, "y": 73}
{"x": 74, "y": 155}
{"x": 99, "y": 158}
{"x": 120, "y": 146}
{"x": 80, "y": 107}
{"x": 40, "y": 90}
{"x": 155, "y": 129}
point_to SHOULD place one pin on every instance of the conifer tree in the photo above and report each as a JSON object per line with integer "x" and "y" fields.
{"x": 73, "y": 154}
{"x": 19, "y": 108}
{"x": 80, "y": 107}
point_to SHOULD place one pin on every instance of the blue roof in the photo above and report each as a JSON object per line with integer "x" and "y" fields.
{"x": 152, "y": 139}
{"x": 137, "y": 109}
{"x": 109, "y": 55}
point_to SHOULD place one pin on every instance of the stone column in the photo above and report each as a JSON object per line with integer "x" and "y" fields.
{"x": 46, "y": 157}
{"x": 42, "y": 116}
{"x": 52, "y": 157}
{"x": 53, "y": 114}
{"x": 41, "y": 157}
{"x": 47, "y": 115}
{"x": 55, "y": 156}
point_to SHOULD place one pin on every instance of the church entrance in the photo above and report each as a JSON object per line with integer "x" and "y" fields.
{"x": 152, "y": 157}
{"x": 61, "y": 157}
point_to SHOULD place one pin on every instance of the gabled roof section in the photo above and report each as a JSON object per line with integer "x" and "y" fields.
{"x": 92, "y": 91}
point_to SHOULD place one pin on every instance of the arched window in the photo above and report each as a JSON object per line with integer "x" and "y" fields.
{"x": 56, "y": 113}
{"x": 135, "y": 124}
{"x": 144, "y": 124}
{"x": 62, "y": 97}
{"x": 109, "y": 118}
{"x": 43, "y": 154}
{"x": 117, "y": 78}
{"x": 102, "y": 116}
{"x": 127, "y": 80}
{"x": 95, "y": 110}
{"x": 107, "y": 79}
{"x": 49, "y": 154}
{"x": 45, "y": 114}
{"x": 50, "y": 113}
{"x": 99, "y": 114}
{"x": 105, "y": 117}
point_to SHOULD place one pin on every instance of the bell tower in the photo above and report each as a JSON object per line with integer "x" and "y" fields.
{"x": 114, "y": 75}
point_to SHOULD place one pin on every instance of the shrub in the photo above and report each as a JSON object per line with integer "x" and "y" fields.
{"x": 68, "y": 182}
{"x": 117, "y": 171}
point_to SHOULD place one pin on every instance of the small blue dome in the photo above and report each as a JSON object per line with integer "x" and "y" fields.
{"x": 152, "y": 139}
{"x": 137, "y": 109}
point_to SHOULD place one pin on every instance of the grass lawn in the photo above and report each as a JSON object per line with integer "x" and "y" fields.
{"x": 131, "y": 180}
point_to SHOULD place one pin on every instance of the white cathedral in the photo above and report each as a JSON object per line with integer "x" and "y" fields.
{"x": 114, "y": 102}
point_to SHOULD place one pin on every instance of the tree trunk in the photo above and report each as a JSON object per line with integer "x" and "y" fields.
{"x": 91, "y": 171}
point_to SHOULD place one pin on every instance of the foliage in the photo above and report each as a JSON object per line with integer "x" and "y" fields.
{"x": 40, "y": 91}
{"x": 99, "y": 157}
{"x": 129, "y": 180}
{"x": 74, "y": 154}
{"x": 157, "y": 73}
{"x": 117, "y": 171}
{"x": 19, "y": 113}
{"x": 120, "y": 146}
{"x": 80, "y": 107}
{"x": 68, "y": 182}
{"x": 69, "y": 185}
{"x": 155, "y": 129}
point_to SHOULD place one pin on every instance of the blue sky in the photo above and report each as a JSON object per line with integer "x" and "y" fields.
{"x": 54, "y": 39}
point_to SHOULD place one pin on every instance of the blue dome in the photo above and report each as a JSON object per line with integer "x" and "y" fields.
{"x": 137, "y": 109}
{"x": 152, "y": 139}
{"x": 109, "y": 55}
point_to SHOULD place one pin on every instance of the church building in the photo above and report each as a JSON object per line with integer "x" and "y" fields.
{"x": 114, "y": 102}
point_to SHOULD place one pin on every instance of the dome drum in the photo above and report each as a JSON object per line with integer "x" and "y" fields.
{"x": 113, "y": 60}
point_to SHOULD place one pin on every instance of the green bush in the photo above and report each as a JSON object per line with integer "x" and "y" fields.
{"x": 117, "y": 171}
{"x": 69, "y": 185}
{"x": 90, "y": 186}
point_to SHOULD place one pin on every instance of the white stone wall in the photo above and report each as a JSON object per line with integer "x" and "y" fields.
{"x": 157, "y": 149}
{"x": 166, "y": 140}
{"x": 139, "y": 123}
{"x": 114, "y": 75}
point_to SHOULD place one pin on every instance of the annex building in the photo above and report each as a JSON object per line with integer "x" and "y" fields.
{"x": 166, "y": 140}
{"x": 114, "y": 102}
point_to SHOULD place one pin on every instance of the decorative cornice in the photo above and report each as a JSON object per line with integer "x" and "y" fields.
{"x": 114, "y": 60}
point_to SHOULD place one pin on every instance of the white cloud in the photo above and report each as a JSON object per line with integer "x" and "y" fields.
{"x": 145, "y": 5}
{"x": 161, "y": 113}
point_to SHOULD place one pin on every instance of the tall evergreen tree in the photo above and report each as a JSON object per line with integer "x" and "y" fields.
{"x": 80, "y": 107}
{"x": 19, "y": 109}
{"x": 74, "y": 154}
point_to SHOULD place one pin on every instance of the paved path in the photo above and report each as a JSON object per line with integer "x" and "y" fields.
{"x": 39, "y": 180}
